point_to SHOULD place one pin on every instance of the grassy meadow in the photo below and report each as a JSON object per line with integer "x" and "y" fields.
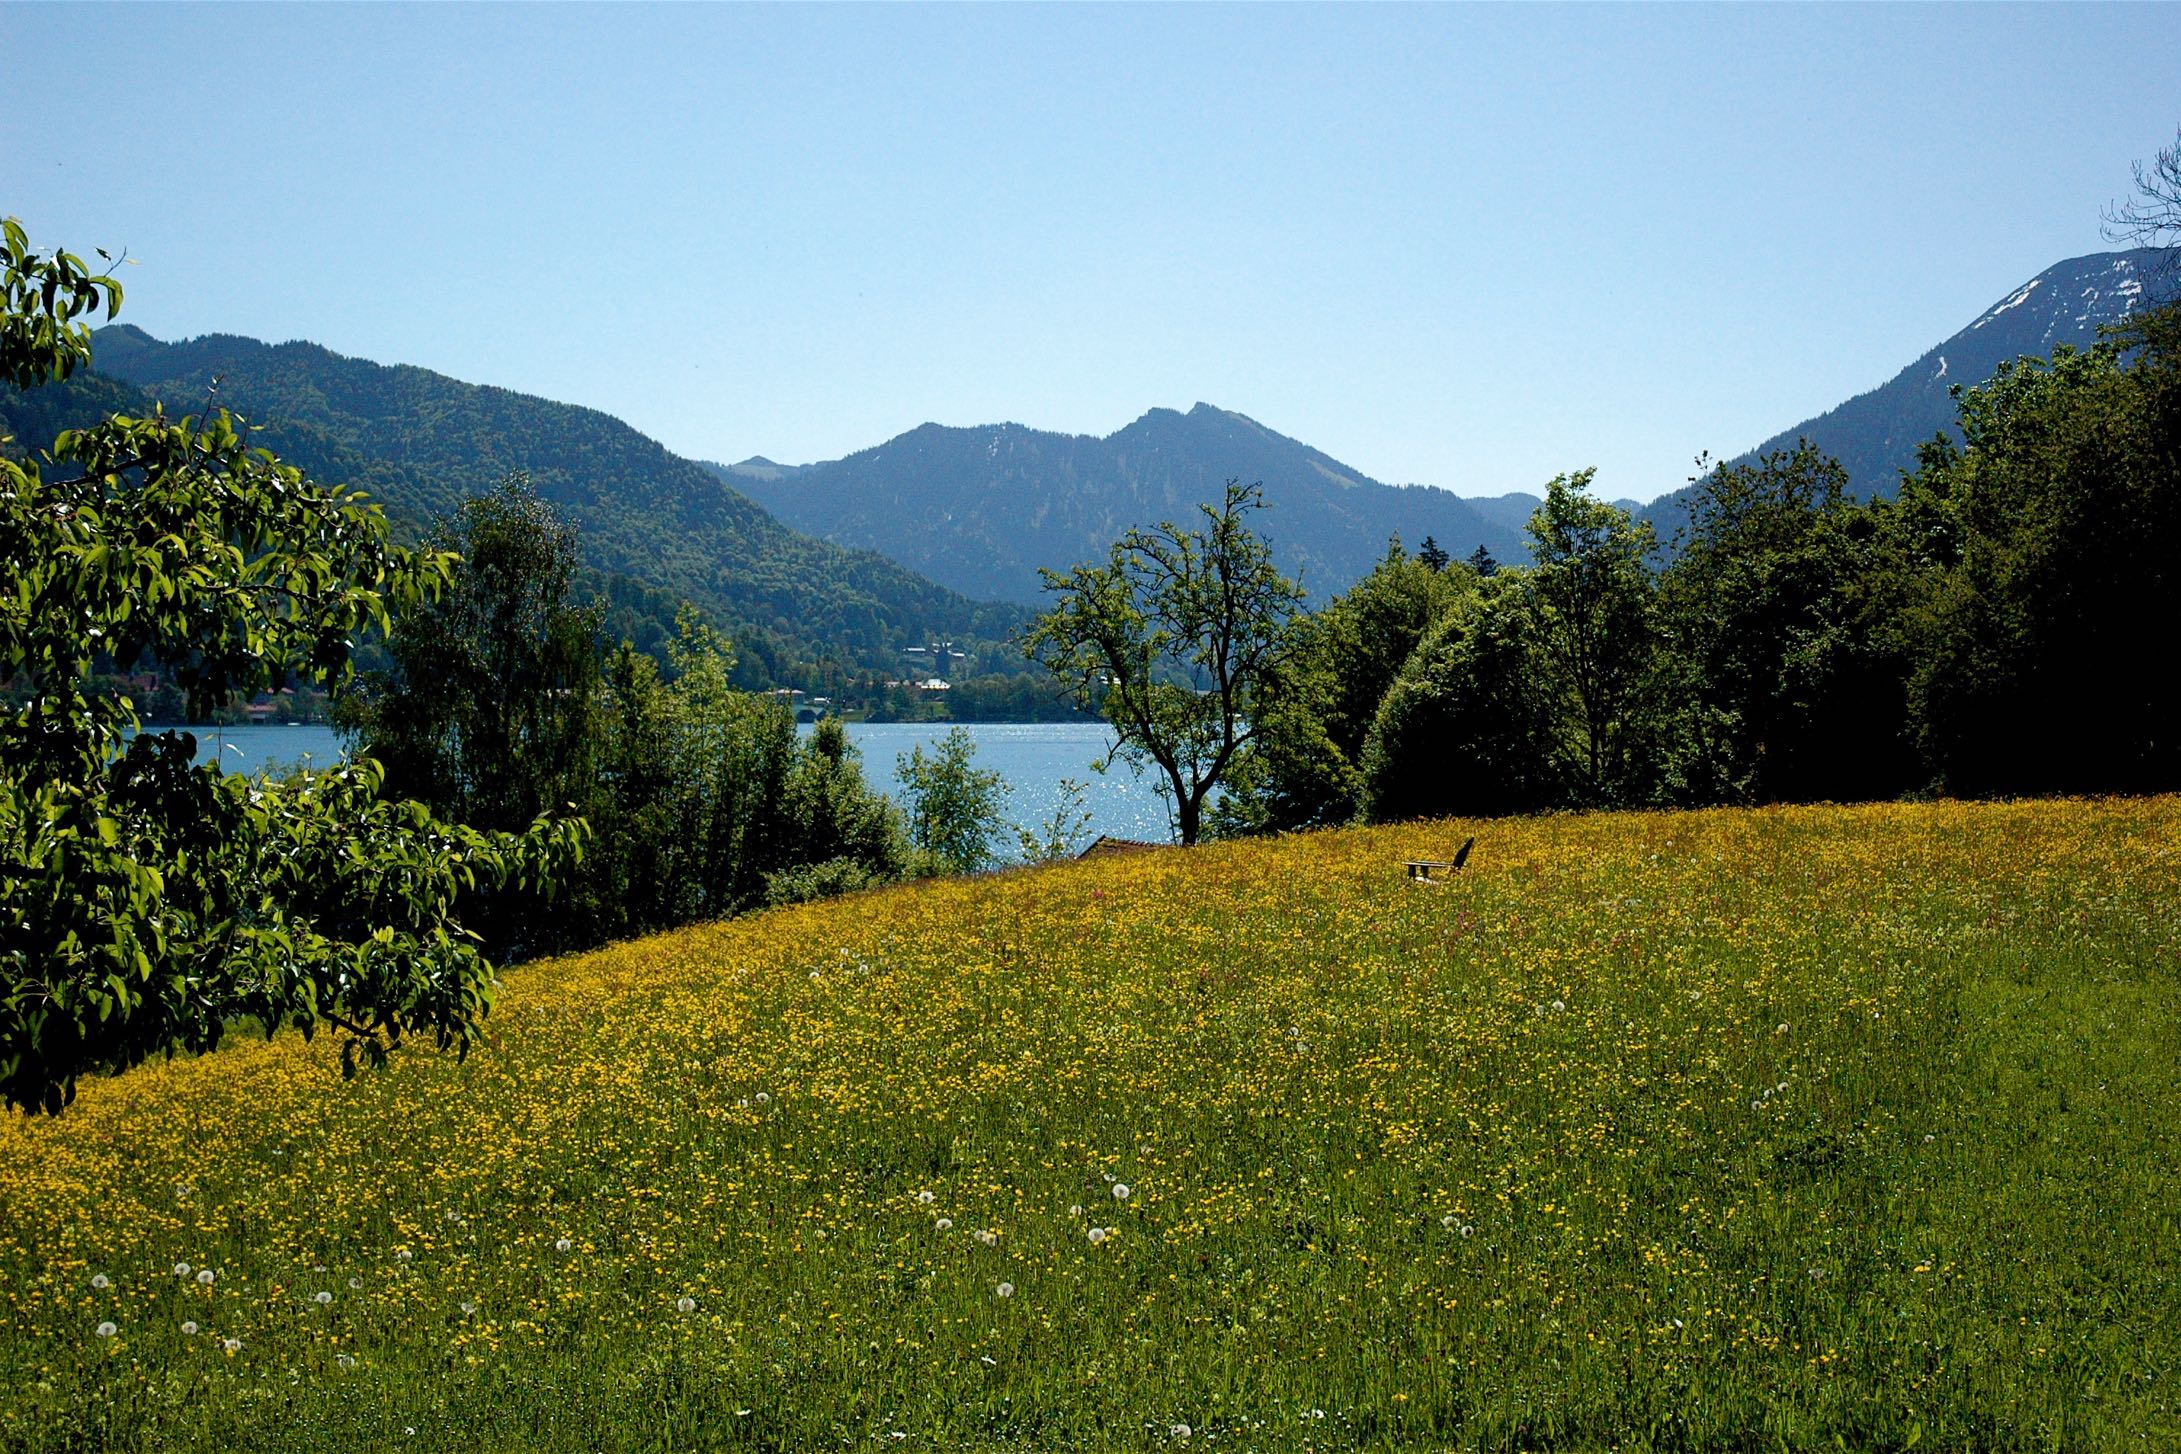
{"x": 1811, "y": 1128}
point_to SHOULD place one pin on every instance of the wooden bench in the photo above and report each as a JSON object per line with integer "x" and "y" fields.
{"x": 1421, "y": 869}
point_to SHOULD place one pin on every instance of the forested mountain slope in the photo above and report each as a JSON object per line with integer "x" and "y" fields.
{"x": 421, "y": 443}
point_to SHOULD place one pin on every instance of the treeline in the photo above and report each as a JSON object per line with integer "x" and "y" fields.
{"x": 2003, "y": 625}
{"x": 499, "y": 704}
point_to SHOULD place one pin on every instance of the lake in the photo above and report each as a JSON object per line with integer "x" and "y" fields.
{"x": 1031, "y": 758}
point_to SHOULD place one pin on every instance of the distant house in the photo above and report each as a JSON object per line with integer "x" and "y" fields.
{"x": 1106, "y": 845}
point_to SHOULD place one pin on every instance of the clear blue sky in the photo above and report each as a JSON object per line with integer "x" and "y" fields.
{"x": 1468, "y": 247}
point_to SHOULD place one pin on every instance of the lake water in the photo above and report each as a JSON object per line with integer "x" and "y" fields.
{"x": 1031, "y": 758}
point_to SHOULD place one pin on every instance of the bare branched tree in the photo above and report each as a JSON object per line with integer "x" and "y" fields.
{"x": 2152, "y": 218}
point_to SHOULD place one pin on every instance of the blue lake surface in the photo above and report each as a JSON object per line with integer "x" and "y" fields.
{"x": 1031, "y": 757}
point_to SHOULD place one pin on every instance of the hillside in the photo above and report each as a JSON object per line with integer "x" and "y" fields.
{"x": 1805, "y": 1128}
{"x": 980, "y": 510}
{"x": 1875, "y": 435}
{"x": 421, "y": 443}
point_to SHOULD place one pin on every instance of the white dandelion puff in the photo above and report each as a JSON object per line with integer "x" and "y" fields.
{"x": 205, "y": 1277}
{"x": 468, "y": 1308}
{"x": 101, "y": 1281}
{"x": 355, "y": 1283}
{"x": 925, "y": 1198}
{"x": 945, "y": 1224}
{"x": 1120, "y": 1191}
{"x": 1075, "y": 1211}
{"x": 990, "y": 1239}
{"x": 232, "y": 1345}
{"x": 563, "y": 1245}
{"x": 189, "y": 1330}
{"x": 1097, "y": 1235}
{"x": 106, "y": 1330}
{"x": 181, "y": 1269}
{"x": 685, "y": 1305}
{"x": 344, "y": 1360}
{"x": 1004, "y": 1290}
{"x": 1181, "y": 1431}
{"x": 321, "y": 1298}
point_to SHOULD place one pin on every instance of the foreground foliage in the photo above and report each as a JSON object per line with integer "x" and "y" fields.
{"x": 145, "y": 903}
{"x": 1723, "y": 1130}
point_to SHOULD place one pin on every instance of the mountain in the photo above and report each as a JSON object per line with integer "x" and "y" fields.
{"x": 1875, "y": 435}
{"x": 650, "y": 522}
{"x": 981, "y": 509}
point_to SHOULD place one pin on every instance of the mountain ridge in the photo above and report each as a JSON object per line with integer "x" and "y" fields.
{"x": 421, "y": 442}
{"x": 1875, "y": 434}
{"x": 980, "y": 508}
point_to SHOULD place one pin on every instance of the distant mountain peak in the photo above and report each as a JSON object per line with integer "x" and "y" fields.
{"x": 1875, "y": 435}
{"x": 986, "y": 508}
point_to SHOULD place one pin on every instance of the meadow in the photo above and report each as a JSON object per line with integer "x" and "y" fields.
{"x": 1808, "y": 1128}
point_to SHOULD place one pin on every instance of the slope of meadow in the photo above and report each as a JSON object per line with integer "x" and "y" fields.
{"x": 1696, "y": 1131}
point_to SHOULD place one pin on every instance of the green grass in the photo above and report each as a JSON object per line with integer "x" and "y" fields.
{"x": 1823, "y": 1128}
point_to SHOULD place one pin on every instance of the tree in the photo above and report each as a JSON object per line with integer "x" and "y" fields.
{"x": 491, "y": 713}
{"x": 2054, "y": 533}
{"x": 1302, "y": 771}
{"x": 952, "y": 806}
{"x": 1480, "y": 561}
{"x": 1780, "y": 614}
{"x": 1593, "y": 590}
{"x": 1434, "y": 556}
{"x": 2152, "y": 218}
{"x": 1470, "y": 726}
{"x": 145, "y": 901}
{"x": 1184, "y": 632}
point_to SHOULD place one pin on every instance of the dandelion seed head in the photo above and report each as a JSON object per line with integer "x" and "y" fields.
{"x": 231, "y": 1346}
{"x": 205, "y": 1277}
{"x": 189, "y": 1330}
{"x": 181, "y": 1269}
{"x": 1004, "y": 1290}
{"x": 685, "y": 1305}
{"x": 1120, "y": 1191}
{"x": 106, "y": 1330}
{"x": 101, "y": 1281}
{"x": 925, "y": 1198}
{"x": 321, "y": 1298}
{"x": 355, "y": 1283}
{"x": 563, "y": 1245}
{"x": 945, "y": 1224}
{"x": 1097, "y": 1235}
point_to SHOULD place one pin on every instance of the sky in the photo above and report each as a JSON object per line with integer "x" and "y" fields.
{"x": 1471, "y": 247}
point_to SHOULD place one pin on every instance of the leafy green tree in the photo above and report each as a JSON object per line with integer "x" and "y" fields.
{"x": 491, "y": 714}
{"x": 1180, "y": 638}
{"x": 2054, "y": 534}
{"x": 953, "y": 807}
{"x": 146, "y": 902}
{"x": 1782, "y": 616}
{"x": 1471, "y": 726}
{"x": 1593, "y": 592}
{"x": 833, "y": 817}
{"x": 1056, "y": 837}
{"x": 1303, "y": 769}
{"x": 692, "y": 807}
